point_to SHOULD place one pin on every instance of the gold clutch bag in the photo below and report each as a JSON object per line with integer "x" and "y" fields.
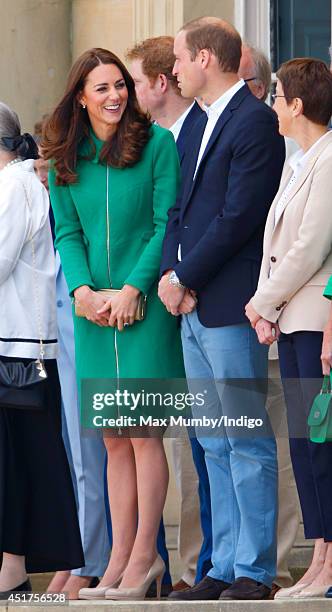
{"x": 108, "y": 294}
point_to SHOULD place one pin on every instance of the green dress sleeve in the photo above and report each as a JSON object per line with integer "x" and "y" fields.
{"x": 69, "y": 236}
{"x": 328, "y": 289}
{"x": 166, "y": 173}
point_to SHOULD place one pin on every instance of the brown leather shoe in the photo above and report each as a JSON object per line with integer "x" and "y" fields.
{"x": 181, "y": 586}
{"x": 208, "y": 588}
{"x": 246, "y": 588}
{"x": 274, "y": 589}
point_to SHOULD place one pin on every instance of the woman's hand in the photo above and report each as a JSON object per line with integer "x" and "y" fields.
{"x": 267, "y": 332}
{"x": 90, "y": 303}
{"x": 326, "y": 356}
{"x": 122, "y": 307}
{"x": 252, "y": 315}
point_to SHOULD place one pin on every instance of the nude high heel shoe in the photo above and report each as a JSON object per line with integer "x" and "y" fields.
{"x": 291, "y": 591}
{"x": 98, "y": 592}
{"x": 311, "y": 592}
{"x": 156, "y": 572}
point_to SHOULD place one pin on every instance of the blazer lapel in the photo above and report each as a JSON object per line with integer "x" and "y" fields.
{"x": 297, "y": 185}
{"x": 223, "y": 119}
{"x": 285, "y": 178}
{"x": 301, "y": 178}
{"x": 225, "y": 116}
{"x": 192, "y": 145}
{"x": 192, "y": 118}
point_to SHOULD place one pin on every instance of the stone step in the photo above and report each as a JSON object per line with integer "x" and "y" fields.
{"x": 310, "y": 605}
{"x": 299, "y": 559}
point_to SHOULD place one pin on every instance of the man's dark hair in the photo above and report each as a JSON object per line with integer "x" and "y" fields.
{"x": 219, "y": 37}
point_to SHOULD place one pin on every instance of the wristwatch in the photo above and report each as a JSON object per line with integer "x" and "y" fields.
{"x": 174, "y": 280}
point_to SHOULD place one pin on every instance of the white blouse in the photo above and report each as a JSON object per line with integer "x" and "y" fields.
{"x": 27, "y": 291}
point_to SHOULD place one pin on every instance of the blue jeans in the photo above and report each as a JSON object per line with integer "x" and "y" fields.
{"x": 242, "y": 468}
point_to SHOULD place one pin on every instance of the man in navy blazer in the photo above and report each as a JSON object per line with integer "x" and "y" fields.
{"x": 212, "y": 249}
{"x": 158, "y": 94}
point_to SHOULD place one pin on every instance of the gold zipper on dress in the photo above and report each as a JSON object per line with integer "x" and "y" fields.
{"x": 110, "y": 282}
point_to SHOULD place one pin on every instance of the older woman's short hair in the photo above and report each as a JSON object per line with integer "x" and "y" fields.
{"x": 9, "y": 125}
{"x": 310, "y": 80}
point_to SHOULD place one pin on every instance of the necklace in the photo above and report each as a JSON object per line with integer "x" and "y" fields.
{"x": 12, "y": 162}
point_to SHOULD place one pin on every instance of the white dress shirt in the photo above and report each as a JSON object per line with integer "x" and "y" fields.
{"x": 177, "y": 126}
{"x": 213, "y": 112}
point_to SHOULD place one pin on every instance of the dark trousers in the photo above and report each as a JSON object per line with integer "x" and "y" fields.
{"x": 301, "y": 374}
{"x": 204, "y": 563}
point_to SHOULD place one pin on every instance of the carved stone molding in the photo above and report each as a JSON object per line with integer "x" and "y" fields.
{"x": 156, "y": 18}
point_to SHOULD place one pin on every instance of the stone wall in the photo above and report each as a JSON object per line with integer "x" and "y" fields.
{"x": 39, "y": 39}
{"x": 35, "y": 55}
{"x": 215, "y": 8}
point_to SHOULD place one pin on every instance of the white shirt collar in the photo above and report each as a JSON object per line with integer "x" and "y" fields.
{"x": 298, "y": 160}
{"x": 219, "y": 105}
{"x": 27, "y": 165}
{"x": 176, "y": 127}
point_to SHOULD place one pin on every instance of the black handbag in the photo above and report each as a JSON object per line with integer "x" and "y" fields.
{"x": 23, "y": 383}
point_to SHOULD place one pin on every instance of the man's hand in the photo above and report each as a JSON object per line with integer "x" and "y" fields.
{"x": 188, "y": 303}
{"x": 170, "y": 295}
{"x": 252, "y": 315}
{"x": 267, "y": 332}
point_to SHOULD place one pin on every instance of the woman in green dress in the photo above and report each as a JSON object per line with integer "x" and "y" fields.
{"x": 114, "y": 178}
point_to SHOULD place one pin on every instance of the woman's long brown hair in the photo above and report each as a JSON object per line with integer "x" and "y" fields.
{"x": 69, "y": 123}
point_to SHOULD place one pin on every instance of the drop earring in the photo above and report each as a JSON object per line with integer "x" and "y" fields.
{"x": 83, "y": 105}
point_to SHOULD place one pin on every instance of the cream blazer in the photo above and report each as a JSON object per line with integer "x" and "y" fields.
{"x": 297, "y": 257}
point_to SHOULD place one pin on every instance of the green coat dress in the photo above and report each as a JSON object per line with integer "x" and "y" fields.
{"x": 139, "y": 199}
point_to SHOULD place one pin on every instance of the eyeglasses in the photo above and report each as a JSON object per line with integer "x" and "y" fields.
{"x": 275, "y": 96}
{"x": 251, "y": 79}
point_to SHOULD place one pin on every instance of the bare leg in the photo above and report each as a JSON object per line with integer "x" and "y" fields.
{"x": 317, "y": 563}
{"x": 74, "y": 584}
{"x": 152, "y": 482}
{"x": 122, "y": 492}
{"x": 58, "y": 582}
{"x": 13, "y": 571}
{"x": 324, "y": 577}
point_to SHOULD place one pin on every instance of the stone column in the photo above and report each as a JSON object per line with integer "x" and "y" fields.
{"x": 157, "y": 18}
{"x": 35, "y": 55}
{"x": 102, "y": 23}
